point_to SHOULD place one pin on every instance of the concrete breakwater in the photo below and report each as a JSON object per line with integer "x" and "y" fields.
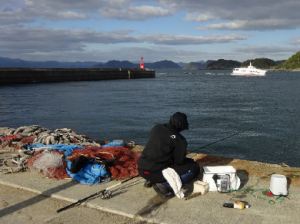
{"x": 46, "y": 75}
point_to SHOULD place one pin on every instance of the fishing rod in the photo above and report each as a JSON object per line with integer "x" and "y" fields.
{"x": 237, "y": 133}
{"x": 105, "y": 194}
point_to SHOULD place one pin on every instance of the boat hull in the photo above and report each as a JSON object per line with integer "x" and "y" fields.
{"x": 248, "y": 74}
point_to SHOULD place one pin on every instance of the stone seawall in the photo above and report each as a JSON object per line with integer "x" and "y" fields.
{"x": 44, "y": 75}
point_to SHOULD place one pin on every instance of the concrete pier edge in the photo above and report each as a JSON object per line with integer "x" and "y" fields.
{"x": 49, "y": 75}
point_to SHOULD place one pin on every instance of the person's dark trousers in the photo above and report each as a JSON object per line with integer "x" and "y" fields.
{"x": 186, "y": 172}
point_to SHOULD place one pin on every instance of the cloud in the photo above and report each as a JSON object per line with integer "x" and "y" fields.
{"x": 199, "y": 17}
{"x": 295, "y": 40}
{"x": 40, "y": 39}
{"x": 266, "y": 51}
{"x": 37, "y": 43}
{"x": 32, "y": 10}
{"x": 29, "y": 10}
{"x": 11, "y": 16}
{"x": 83, "y": 6}
{"x": 268, "y": 24}
{"x": 191, "y": 40}
{"x": 241, "y": 15}
{"x": 135, "y": 12}
{"x": 244, "y": 15}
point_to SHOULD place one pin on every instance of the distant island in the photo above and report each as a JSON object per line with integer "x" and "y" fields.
{"x": 127, "y": 64}
{"x": 197, "y": 65}
{"x": 293, "y": 63}
{"x": 222, "y": 64}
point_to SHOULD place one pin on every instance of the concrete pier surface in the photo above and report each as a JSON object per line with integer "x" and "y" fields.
{"x": 131, "y": 202}
{"x": 46, "y": 75}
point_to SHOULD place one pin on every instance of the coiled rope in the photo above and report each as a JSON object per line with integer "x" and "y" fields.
{"x": 261, "y": 190}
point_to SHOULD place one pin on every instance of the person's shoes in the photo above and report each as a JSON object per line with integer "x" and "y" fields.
{"x": 163, "y": 190}
{"x": 148, "y": 184}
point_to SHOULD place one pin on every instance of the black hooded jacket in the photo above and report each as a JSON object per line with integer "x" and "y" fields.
{"x": 166, "y": 146}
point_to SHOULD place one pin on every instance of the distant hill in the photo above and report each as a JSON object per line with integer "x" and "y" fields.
{"x": 197, "y": 65}
{"x": 181, "y": 64}
{"x": 19, "y": 63}
{"x": 292, "y": 63}
{"x": 194, "y": 66}
{"x": 262, "y": 63}
{"x": 127, "y": 64}
{"x": 162, "y": 64}
{"x": 222, "y": 64}
{"x": 116, "y": 64}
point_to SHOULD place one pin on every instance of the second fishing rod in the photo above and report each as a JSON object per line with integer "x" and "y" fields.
{"x": 219, "y": 140}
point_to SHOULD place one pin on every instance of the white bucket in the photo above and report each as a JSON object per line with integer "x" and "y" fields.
{"x": 278, "y": 185}
{"x": 210, "y": 171}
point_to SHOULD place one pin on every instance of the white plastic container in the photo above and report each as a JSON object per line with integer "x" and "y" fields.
{"x": 278, "y": 185}
{"x": 210, "y": 171}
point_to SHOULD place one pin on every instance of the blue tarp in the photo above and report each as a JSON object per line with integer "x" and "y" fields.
{"x": 113, "y": 144}
{"x": 91, "y": 174}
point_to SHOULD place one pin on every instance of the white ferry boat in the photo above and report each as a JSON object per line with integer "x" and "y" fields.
{"x": 250, "y": 71}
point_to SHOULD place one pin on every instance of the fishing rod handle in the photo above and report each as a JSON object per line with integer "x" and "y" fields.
{"x": 67, "y": 207}
{"x": 77, "y": 202}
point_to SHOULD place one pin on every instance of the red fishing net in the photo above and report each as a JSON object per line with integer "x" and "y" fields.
{"x": 124, "y": 165}
{"x": 50, "y": 168}
{"x": 28, "y": 140}
{"x": 59, "y": 172}
{"x": 9, "y": 137}
{"x": 6, "y": 140}
{"x": 91, "y": 152}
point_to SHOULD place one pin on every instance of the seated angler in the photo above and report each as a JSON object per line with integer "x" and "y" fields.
{"x": 163, "y": 162}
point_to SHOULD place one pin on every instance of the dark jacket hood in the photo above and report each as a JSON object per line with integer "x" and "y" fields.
{"x": 179, "y": 121}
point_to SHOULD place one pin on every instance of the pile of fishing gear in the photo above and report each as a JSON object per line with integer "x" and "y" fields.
{"x": 20, "y": 137}
{"x": 65, "y": 154}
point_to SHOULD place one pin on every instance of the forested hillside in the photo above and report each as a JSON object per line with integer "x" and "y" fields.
{"x": 292, "y": 63}
{"x": 262, "y": 63}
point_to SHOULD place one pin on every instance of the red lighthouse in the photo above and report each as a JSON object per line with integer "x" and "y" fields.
{"x": 142, "y": 64}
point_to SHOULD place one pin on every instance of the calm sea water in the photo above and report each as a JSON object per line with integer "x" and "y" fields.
{"x": 218, "y": 105}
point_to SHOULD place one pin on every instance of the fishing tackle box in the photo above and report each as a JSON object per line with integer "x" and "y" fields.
{"x": 219, "y": 176}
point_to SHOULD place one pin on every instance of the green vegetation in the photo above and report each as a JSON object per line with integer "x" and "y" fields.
{"x": 222, "y": 64}
{"x": 292, "y": 63}
{"x": 195, "y": 66}
{"x": 262, "y": 63}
